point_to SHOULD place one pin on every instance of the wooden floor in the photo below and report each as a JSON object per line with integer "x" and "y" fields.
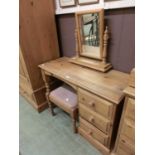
{"x": 42, "y": 134}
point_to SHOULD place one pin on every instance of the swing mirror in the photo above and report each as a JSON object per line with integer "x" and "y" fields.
{"x": 90, "y": 33}
{"x": 91, "y": 41}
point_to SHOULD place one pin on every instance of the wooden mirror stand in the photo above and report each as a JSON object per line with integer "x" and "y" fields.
{"x": 97, "y": 62}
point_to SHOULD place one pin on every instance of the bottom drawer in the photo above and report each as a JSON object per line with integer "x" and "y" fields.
{"x": 94, "y": 132}
{"x": 103, "y": 149}
{"x": 28, "y": 95}
{"x": 124, "y": 148}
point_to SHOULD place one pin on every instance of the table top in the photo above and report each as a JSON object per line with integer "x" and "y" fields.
{"x": 108, "y": 85}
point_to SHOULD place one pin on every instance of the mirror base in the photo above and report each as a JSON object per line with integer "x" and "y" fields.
{"x": 90, "y": 63}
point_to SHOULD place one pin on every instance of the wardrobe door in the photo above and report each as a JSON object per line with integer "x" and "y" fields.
{"x": 38, "y": 42}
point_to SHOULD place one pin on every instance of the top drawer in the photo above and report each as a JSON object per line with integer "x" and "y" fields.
{"x": 96, "y": 103}
{"x": 130, "y": 109}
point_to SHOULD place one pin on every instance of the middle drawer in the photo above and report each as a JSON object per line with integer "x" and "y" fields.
{"x": 96, "y": 119}
{"x": 96, "y": 103}
{"x": 128, "y": 130}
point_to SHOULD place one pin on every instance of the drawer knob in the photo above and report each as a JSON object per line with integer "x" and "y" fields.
{"x": 83, "y": 99}
{"x": 129, "y": 126}
{"x": 89, "y": 132}
{"x": 91, "y": 119}
{"x": 92, "y": 103}
{"x": 123, "y": 141}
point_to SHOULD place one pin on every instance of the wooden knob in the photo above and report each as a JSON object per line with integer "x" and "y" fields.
{"x": 129, "y": 126}
{"x": 91, "y": 119}
{"x": 89, "y": 132}
{"x": 83, "y": 98}
{"x": 92, "y": 103}
{"x": 123, "y": 141}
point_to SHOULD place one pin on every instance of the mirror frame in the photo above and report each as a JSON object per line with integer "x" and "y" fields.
{"x": 96, "y": 63}
{"x": 101, "y": 29}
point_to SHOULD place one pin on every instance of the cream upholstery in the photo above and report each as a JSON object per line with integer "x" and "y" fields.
{"x": 64, "y": 95}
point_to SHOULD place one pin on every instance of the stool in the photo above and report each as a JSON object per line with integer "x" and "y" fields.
{"x": 65, "y": 98}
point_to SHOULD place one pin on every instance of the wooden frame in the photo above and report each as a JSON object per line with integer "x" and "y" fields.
{"x": 85, "y": 2}
{"x": 66, "y": 3}
{"x": 100, "y": 93}
{"x": 89, "y": 59}
{"x": 101, "y": 28}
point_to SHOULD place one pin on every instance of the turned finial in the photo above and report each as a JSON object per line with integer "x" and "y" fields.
{"x": 106, "y": 35}
{"x": 105, "y": 44}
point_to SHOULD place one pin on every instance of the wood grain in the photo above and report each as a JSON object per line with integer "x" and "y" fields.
{"x": 94, "y": 132}
{"x": 38, "y": 37}
{"x": 107, "y": 85}
{"x": 96, "y": 103}
{"x": 38, "y": 41}
{"x": 99, "y": 96}
{"x": 125, "y": 142}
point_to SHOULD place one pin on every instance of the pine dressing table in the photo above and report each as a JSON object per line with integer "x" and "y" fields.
{"x": 100, "y": 98}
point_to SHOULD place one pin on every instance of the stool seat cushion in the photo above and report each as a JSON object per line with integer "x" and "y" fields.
{"x": 65, "y": 96}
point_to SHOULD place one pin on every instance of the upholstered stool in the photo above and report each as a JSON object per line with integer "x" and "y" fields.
{"x": 65, "y": 98}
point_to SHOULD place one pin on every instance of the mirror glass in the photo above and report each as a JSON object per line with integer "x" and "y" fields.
{"x": 90, "y": 40}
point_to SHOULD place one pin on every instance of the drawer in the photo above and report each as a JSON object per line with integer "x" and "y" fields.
{"x": 94, "y": 132}
{"x": 28, "y": 95}
{"x": 125, "y": 148}
{"x": 97, "y": 120}
{"x": 130, "y": 109}
{"x": 96, "y": 103}
{"x": 103, "y": 149}
{"x": 24, "y": 84}
{"x": 128, "y": 130}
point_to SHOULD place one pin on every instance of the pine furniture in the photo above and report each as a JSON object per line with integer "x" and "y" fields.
{"x": 91, "y": 40}
{"x": 38, "y": 38}
{"x": 125, "y": 143}
{"x": 100, "y": 98}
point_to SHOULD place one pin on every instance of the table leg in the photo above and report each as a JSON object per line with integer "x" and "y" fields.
{"x": 46, "y": 79}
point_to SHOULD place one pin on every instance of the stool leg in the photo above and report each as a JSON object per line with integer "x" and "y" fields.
{"x": 51, "y": 107}
{"x": 74, "y": 125}
{"x": 74, "y": 119}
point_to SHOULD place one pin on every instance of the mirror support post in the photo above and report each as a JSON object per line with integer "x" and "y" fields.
{"x": 105, "y": 39}
{"x": 76, "y": 43}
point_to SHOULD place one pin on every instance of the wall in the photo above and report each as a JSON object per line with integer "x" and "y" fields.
{"x": 106, "y": 4}
{"x": 121, "y": 51}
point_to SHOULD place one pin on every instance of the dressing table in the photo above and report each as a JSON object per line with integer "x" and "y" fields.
{"x": 100, "y": 97}
{"x": 99, "y": 89}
